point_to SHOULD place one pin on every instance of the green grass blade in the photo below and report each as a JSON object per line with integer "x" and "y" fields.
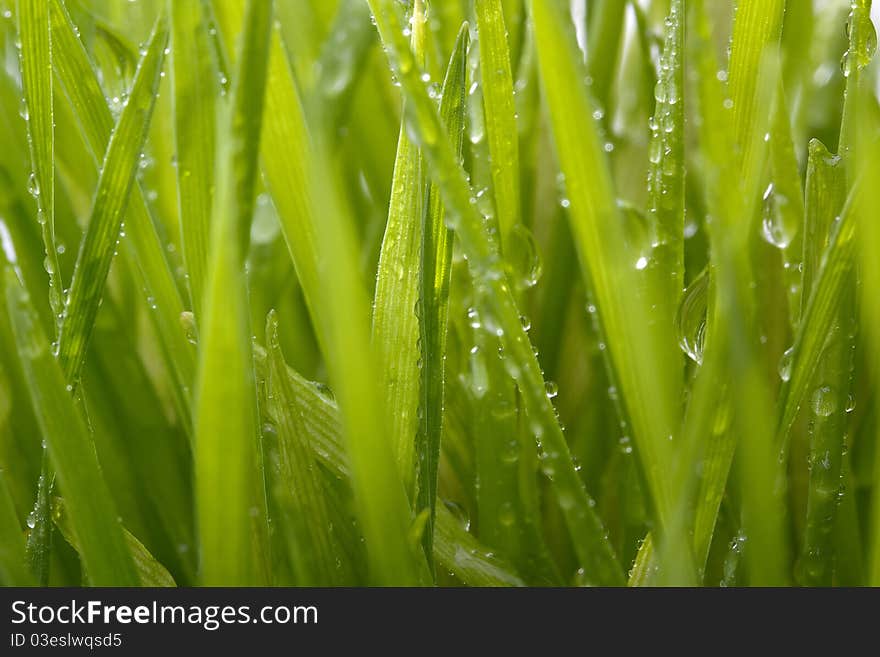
{"x": 496, "y": 301}
{"x": 145, "y": 252}
{"x": 36, "y": 58}
{"x": 500, "y": 113}
{"x": 436, "y": 268}
{"x": 195, "y": 84}
{"x": 395, "y": 311}
{"x": 111, "y": 199}
{"x": 636, "y": 354}
{"x": 666, "y": 175}
{"x": 13, "y": 561}
{"x": 226, "y": 459}
{"x": 150, "y": 572}
{"x": 314, "y": 545}
{"x": 605, "y": 29}
{"x": 104, "y": 552}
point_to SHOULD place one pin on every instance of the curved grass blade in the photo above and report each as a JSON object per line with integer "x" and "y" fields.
{"x": 436, "y": 268}
{"x": 13, "y": 561}
{"x": 111, "y": 199}
{"x": 496, "y": 301}
{"x": 396, "y": 303}
{"x": 145, "y": 252}
{"x": 500, "y": 113}
{"x": 150, "y": 572}
{"x": 195, "y": 85}
{"x": 104, "y": 552}
{"x": 226, "y": 418}
{"x": 36, "y": 58}
{"x": 313, "y": 544}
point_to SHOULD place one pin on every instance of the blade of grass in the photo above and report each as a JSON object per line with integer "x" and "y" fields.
{"x": 500, "y": 313}
{"x": 111, "y": 199}
{"x": 314, "y": 546}
{"x": 104, "y": 552}
{"x": 195, "y": 85}
{"x": 226, "y": 459}
{"x": 500, "y": 113}
{"x": 603, "y": 47}
{"x": 436, "y": 268}
{"x": 145, "y": 252}
{"x": 395, "y": 311}
{"x": 36, "y": 58}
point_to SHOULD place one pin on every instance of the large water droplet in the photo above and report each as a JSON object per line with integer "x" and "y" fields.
{"x": 33, "y": 185}
{"x": 524, "y": 257}
{"x": 785, "y": 364}
{"x": 691, "y": 317}
{"x": 824, "y": 401}
{"x": 778, "y": 224}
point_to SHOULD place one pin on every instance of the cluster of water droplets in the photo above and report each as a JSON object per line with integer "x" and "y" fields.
{"x": 862, "y": 35}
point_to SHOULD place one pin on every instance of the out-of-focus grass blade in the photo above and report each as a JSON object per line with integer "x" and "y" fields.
{"x": 758, "y": 24}
{"x": 301, "y": 180}
{"x": 605, "y": 30}
{"x": 436, "y": 267}
{"x": 36, "y": 58}
{"x": 104, "y": 551}
{"x": 666, "y": 175}
{"x": 13, "y": 564}
{"x": 195, "y": 85}
{"x": 638, "y": 343}
{"x": 226, "y": 458}
{"x": 314, "y": 546}
{"x": 79, "y": 80}
{"x": 111, "y": 199}
{"x": 499, "y": 112}
{"x": 496, "y": 301}
{"x": 395, "y": 311}
{"x": 150, "y": 572}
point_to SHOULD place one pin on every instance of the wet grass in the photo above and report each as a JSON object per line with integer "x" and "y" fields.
{"x": 478, "y": 292}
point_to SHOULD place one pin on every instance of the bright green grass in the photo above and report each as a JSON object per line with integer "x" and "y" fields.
{"x": 477, "y": 292}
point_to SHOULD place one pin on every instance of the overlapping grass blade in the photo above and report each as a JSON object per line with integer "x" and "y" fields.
{"x": 226, "y": 420}
{"x": 396, "y": 303}
{"x": 500, "y": 113}
{"x": 195, "y": 81}
{"x": 144, "y": 251}
{"x": 92, "y": 512}
{"x": 36, "y": 58}
{"x": 111, "y": 200}
{"x": 13, "y": 561}
{"x": 496, "y": 301}
{"x": 313, "y": 544}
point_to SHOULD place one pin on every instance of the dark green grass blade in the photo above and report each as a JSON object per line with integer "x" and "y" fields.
{"x": 226, "y": 420}
{"x": 395, "y": 305}
{"x": 145, "y": 252}
{"x": 13, "y": 564}
{"x": 150, "y": 572}
{"x": 195, "y": 84}
{"x": 436, "y": 267}
{"x": 111, "y": 200}
{"x": 36, "y": 58}
{"x": 104, "y": 552}
{"x": 500, "y": 113}
{"x": 496, "y": 301}
{"x": 314, "y": 546}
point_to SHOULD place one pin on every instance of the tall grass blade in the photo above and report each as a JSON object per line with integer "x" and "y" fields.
{"x": 195, "y": 83}
{"x": 117, "y": 176}
{"x": 13, "y": 561}
{"x": 92, "y": 512}
{"x": 227, "y": 466}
